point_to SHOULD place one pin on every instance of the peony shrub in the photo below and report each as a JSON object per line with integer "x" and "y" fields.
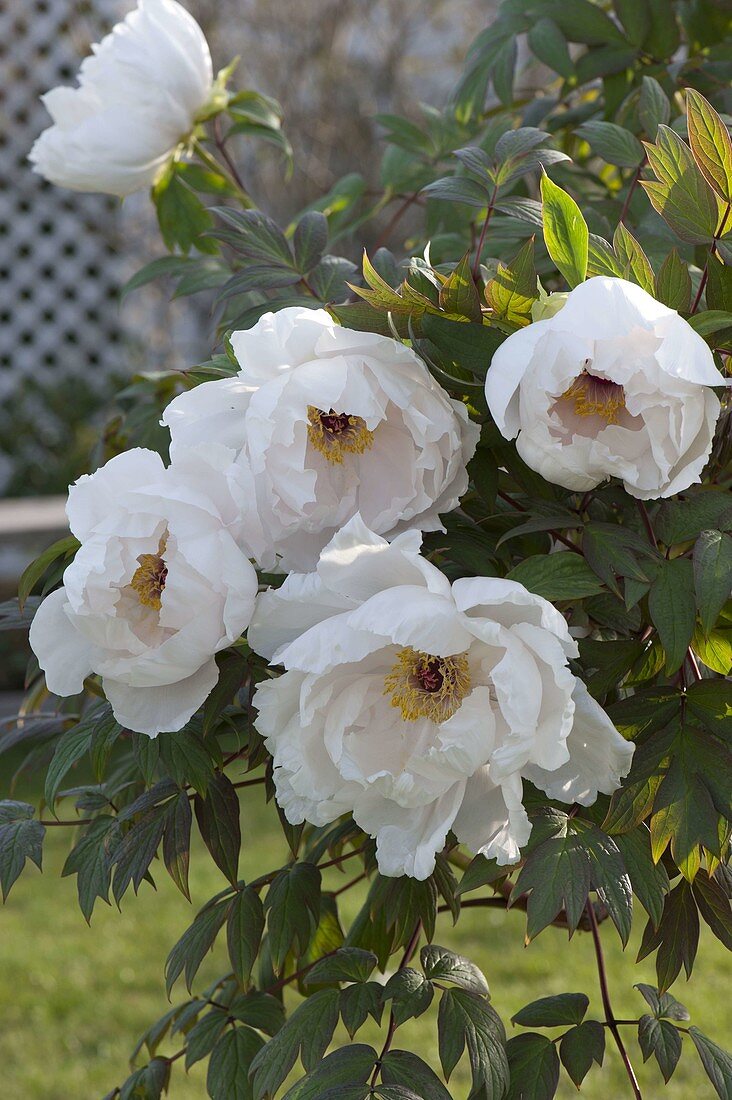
{"x": 436, "y": 558}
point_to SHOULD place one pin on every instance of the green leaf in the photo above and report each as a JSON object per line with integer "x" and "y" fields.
{"x": 557, "y": 873}
{"x": 654, "y": 109}
{"x": 260, "y": 1010}
{"x": 228, "y": 1068}
{"x": 348, "y": 964}
{"x": 565, "y": 231}
{"x": 308, "y": 1032}
{"x": 533, "y": 1063}
{"x": 244, "y": 928}
{"x": 204, "y": 1035}
{"x": 649, "y": 880}
{"x": 177, "y": 841}
{"x": 672, "y": 609}
{"x": 186, "y": 759}
{"x": 662, "y": 1004}
{"x": 20, "y": 840}
{"x": 547, "y": 42}
{"x": 188, "y": 953}
{"x": 681, "y": 520}
{"x": 712, "y": 574}
{"x": 411, "y": 994}
{"x": 609, "y": 877}
{"x": 442, "y": 965}
{"x": 602, "y": 259}
{"x": 255, "y": 236}
{"x": 564, "y": 1008}
{"x": 401, "y": 1067}
{"x": 716, "y": 1061}
{"x": 182, "y": 217}
{"x": 684, "y": 815}
{"x": 583, "y": 21}
{"x": 31, "y": 575}
{"x": 469, "y": 345}
{"x": 218, "y": 819}
{"x": 458, "y": 189}
{"x": 72, "y": 746}
{"x": 714, "y": 906}
{"x": 309, "y": 240}
{"x": 348, "y": 1066}
{"x": 710, "y": 143}
{"x": 467, "y": 1018}
{"x": 233, "y": 669}
{"x": 358, "y": 1001}
{"x": 662, "y": 1039}
{"x": 677, "y": 936}
{"x": 719, "y": 285}
{"x": 580, "y": 1047}
{"x": 137, "y": 850}
{"x": 681, "y": 196}
{"x": 562, "y": 576}
{"x": 513, "y": 289}
{"x": 293, "y": 910}
{"x": 711, "y": 702}
{"x": 673, "y": 282}
{"x": 164, "y": 265}
{"x": 91, "y": 861}
{"x": 612, "y": 142}
{"x": 635, "y": 264}
{"x": 459, "y": 294}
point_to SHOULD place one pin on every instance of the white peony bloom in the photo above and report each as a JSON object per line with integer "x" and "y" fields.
{"x": 331, "y": 422}
{"x": 613, "y": 385}
{"x": 418, "y": 705}
{"x": 158, "y": 586}
{"x": 139, "y": 95}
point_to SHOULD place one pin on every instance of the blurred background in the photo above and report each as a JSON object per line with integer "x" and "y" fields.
{"x": 73, "y": 1000}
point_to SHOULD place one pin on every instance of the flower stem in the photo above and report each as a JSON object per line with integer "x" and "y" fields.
{"x": 631, "y": 189}
{"x": 232, "y": 178}
{"x": 712, "y": 246}
{"x": 610, "y": 1020}
{"x": 406, "y": 959}
{"x": 484, "y": 230}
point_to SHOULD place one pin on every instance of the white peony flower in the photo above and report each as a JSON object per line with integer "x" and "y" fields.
{"x": 418, "y": 705}
{"x": 158, "y": 586}
{"x": 613, "y": 385}
{"x": 331, "y": 422}
{"x": 139, "y": 95}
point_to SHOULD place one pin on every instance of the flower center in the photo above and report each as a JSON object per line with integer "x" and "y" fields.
{"x": 594, "y": 396}
{"x": 424, "y": 686}
{"x": 148, "y": 580}
{"x": 335, "y": 434}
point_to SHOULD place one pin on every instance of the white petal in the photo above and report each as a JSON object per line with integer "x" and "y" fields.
{"x": 93, "y": 495}
{"x": 408, "y": 839}
{"x": 492, "y": 820}
{"x": 63, "y": 653}
{"x": 598, "y": 756}
{"x": 166, "y": 709}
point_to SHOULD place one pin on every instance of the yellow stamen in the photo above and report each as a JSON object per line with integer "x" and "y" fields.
{"x": 594, "y": 396}
{"x": 336, "y": 434}
{"x": 423, "y": 686}
{"x": 149, "y": 578}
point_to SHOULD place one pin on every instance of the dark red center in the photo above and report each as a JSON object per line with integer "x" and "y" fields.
{"x": 430, "y": 676}
{"x": 334, "y": 422}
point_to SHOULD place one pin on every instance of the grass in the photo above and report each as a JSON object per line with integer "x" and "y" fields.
{"x": 74, "y": 999}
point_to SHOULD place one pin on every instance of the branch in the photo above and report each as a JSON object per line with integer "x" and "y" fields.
{"x": 397, "y": 217}
{"x": 631, "y": 189}
{"x": 406, "y": 959}
{"x": 556, "y": 534}
{"x": 610, "y": 1020}
{"x": 484, "y": 230}
{"x": 712, "y": 246}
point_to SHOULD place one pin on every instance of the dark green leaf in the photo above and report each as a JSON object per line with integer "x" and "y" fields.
{"x": 672, "y": 609}
{"x": 459, "y": 294}
{"x": 410, "y": 994}
{"x": 359, "y": 1000}
{"x": 660, "y": 1038}
{"x": 533, "y": 1063}
{"x": 564, "y": 1008}
{"x": 91, "y": 861}
{"x": 186, "y": 759}
{"x": 557, "y": 873}
{"x": 580, "y": 1047}
{"x": 30, "y": 576}
{"x": 19, "y": 840}
{"x": 228, "y": 1068}
{"x": 218, "y": 819}
{"x": 654, "y": 108}
{"x": 308, "y": 1032}
{"x": 349, "y": 964}
{"x": 649, "y": 880}
{"x": 177, "y": 841}
{"x": 244, "y": 928}
{"x": 564, "y": 576}
{"x": 663, "y": 1004}
{"x": 293, "y": 908}
{"x": 716, "y": 1061}
{"x": 673, "y": 282}
{"x": 401, "y": 1067}
{"x": 350, "y": 1065}
{"x": 613, "y": 143}
{"x": 442, "y": 965}
{"x": 712, "y": 574}
{"x": 714, "y": 906}
{"x": 547, "y": 42}
{"x": 194, "y": 944}
{"x": 467, "y": 1018}
{"x": 309, "y": 240}
{"x": 72, "y": 746}
{"x": 458, "y": 189}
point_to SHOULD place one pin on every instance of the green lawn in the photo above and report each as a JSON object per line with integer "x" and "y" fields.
{"x": 74, "y": 999}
